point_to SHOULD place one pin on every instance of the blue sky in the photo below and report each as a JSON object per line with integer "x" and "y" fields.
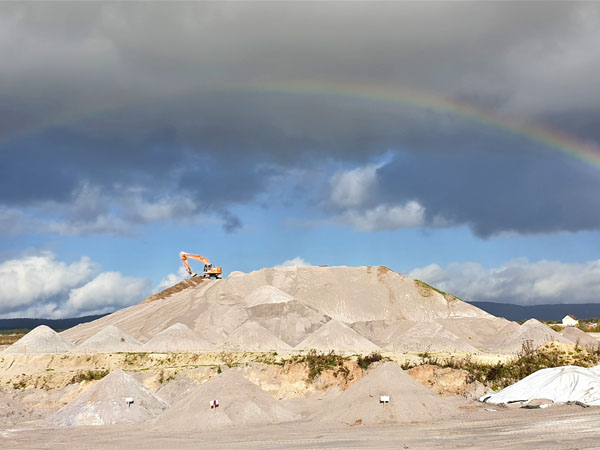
{"x": 130, "y": 132}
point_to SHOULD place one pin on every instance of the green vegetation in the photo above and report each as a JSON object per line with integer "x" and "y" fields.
{"x": 365, "y": 361}
{"x": 317, "y": 362}
{"x": 529, "y": 360}
{"x": 89, "y": 375}
{"x": 421, "y": 285}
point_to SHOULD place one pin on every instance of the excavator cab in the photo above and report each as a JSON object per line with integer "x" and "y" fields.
{"x": 212, "y": 272}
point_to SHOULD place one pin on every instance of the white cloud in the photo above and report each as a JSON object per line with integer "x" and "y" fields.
{"x": 294, "y": 262}
{"x": 354, "y": 194}
{"x": 42, "y": 286}
{"x": 37, "y": 278}
{"x": 354, "y": 187}
{"x": 386, "y": 217}
{"x": 107, "y": 292}
{"x": 518, "y": 282}
{"x": 171, "y": 279}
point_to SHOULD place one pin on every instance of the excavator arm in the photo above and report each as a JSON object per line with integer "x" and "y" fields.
{"x": 209, "y": 270}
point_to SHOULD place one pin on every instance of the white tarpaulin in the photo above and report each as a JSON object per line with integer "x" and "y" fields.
{"x": 559, "y": 384}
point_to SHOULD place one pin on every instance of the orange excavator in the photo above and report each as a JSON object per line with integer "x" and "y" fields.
{"x": 209, "y": 270}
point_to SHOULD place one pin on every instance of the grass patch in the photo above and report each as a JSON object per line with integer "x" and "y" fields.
{"x": 425, "y": 290}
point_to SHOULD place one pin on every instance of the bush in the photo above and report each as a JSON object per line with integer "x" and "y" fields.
{"x": 89, "y": 375}
{"x": 365, "y": 361}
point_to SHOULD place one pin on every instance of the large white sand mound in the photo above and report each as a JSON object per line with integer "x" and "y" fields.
{"x": 177, "y": 338}
{"x": 336, "y": 336}
{"x": 214, "y": 309}
{"x": 409, "y": 400}
{"x": 252, "y": 337}
{"x": 559, "y": 384}
{"x": 110, "y": 339}
{"x": 105, "y": 403}
{"x": 241, "y": 403}
{"x": 41, "y": 339}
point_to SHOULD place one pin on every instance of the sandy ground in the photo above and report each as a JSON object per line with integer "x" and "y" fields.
{"x": 558, "y": 427}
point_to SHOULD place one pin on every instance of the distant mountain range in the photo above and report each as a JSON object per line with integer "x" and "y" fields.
{"x": 55, "y": 324}
{"x": 540, "y": 312}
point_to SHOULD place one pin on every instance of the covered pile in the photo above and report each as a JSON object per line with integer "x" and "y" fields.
{"x": 559, "y": 384}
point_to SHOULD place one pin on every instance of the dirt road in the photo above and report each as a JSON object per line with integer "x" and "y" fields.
{"x": 558, "y": 427}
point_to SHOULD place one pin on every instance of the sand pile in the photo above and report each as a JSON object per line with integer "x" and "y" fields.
{"x": 372, "y": 328}
{"x": 110, "y": 339}
{"x": 177, "y": 338}
{"x": 180, "y": 386}
{"x": 241, "y": 403}
{"x": 426, "y": 336}
{"x": 579, "y": 337}
{"x": 409, "y": 400}
{"x": 105, "y": 403}
{"x": 214, "y": 309}
{"x": 266, "y": 295}
{"x": 559, "y": 384}
{"x": 533, "y": 332}
{"x": 291, "y": 321}
{"x": 482, "y": 333}
{"x": 42, "y": 339}
{"x": 252, "y": 337}
{"x": 336, "y": 336}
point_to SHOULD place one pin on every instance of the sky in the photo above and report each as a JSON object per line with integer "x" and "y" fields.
{"x": 454, "y": 142}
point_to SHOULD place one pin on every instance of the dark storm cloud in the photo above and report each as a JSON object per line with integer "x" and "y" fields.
{"x": 157, "y": 102}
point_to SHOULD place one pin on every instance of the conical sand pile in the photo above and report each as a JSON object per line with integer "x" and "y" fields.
{"x": 267, "y": 295}
{"x": 254, "y": 338}
{"x": 291, "y": 321}
{"x": 481, "y": 332}
{"x": 428, "y": 336}
{"x": 110, "y": 339}
{"x": 338, "y": 337}
{"x": 408, "y": 400}
{"x": 241, "y": 403}
{"x": 42, "y": 339}
{"x": 105, "y": 403}
{"x": 534, "y": 333}
{"x": 579, "y": 337}
{"x": 177, "y": 338}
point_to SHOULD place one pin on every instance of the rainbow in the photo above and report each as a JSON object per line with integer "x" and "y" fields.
{"x": 589, "y": 153}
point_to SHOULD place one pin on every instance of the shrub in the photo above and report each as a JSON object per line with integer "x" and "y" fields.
{"x": 365, "y": 361}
